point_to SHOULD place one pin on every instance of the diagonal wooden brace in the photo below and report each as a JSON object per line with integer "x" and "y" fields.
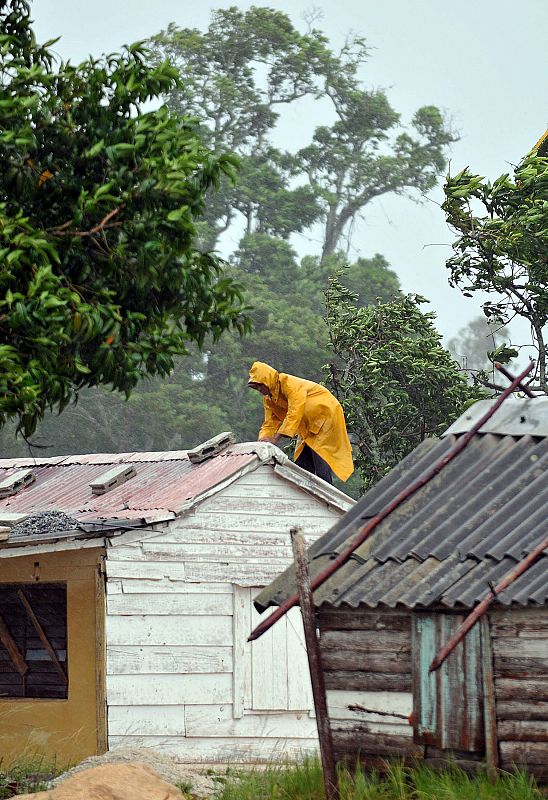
{"x": 41, "y": 633}
{"x": 13, "y": 651}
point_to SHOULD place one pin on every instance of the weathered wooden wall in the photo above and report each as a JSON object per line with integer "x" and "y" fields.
{"x": 520, "y": 655}
{"x": 366, "y": 657}
{"x": 180, "y": 674}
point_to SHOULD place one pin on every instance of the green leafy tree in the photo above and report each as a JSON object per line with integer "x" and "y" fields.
{"x": 102, "y": 282}
{"x": 395, "y": 381}
{"x": 352, "y": 162}
{"x": 235, "y": 78}
{"x": 502, "y": 248}
{"x": 207, "y": 391}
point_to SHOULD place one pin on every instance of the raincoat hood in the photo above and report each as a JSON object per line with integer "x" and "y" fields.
{"x": 264, "y": 373}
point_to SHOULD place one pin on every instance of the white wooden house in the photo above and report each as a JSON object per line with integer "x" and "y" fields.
{"x": 153, "y": 604}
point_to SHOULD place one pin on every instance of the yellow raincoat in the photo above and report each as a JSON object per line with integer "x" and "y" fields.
{"x": 297, "y": 406}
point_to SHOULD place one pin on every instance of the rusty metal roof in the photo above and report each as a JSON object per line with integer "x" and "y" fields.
{"x": 166, "y": 484}
{"x": 457, "y": 535}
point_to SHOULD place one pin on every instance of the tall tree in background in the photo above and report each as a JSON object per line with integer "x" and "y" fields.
{"x": 240, "y": 75}
{"x": 102, "y": 282}
{"x": 395, "y": 381}
{"x": 234, "y": 79}
{"x": 502, "y": 248}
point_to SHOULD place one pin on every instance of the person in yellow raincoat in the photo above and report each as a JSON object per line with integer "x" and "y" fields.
{"x": 294, "y": 406}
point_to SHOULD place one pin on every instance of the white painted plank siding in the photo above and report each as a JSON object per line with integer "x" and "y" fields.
{"x": 150, "y": 660}
{"x": 165, "y": 690}
{"x": 181, "y": 675}
{"x": 227, "y": 750}
{"x": 170, "y": 604}
{"x": 219, "y": 721}
{"x": 167, "y": 586}
{"x": 134, "y": 568}
{"x": 147, "y": 720}
{"x": 176, "y": 629}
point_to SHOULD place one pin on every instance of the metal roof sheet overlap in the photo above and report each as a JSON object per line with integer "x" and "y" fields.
{"x": 163, "y": 484}
{"x": 454, "y": 538}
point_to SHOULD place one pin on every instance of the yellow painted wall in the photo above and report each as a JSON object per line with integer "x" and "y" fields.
{"x": 66, "y": 730}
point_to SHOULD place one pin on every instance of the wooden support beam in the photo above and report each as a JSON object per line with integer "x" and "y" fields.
{"x": 17, "y": 658}
{"x": 315, "y": 665}
{"x": 489, "y": 702}
{"x": 41, "y": 633}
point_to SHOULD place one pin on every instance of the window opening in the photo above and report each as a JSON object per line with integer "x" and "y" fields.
{"x": 33, "y": 641}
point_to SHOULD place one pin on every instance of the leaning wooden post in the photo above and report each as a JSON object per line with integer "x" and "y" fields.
{"x": 315, "y": 665}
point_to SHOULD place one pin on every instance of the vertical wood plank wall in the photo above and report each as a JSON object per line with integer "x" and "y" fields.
{"x": 170, "y": 625}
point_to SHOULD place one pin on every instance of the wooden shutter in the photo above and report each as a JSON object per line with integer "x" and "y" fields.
{"x": 447, "y": 704}
{"x": 271, "y": 673}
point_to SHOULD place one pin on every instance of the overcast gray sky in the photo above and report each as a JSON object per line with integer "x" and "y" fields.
{"x": 483, "y": 62}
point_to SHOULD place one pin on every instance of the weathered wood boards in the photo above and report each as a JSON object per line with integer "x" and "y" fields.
{"x": 520, "y": 649}
{"x": 180, "y": 673}
{"x": 367, "y": 656}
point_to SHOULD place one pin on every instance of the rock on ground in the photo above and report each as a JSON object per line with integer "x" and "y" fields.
{"x": 202, "y": 785}
{"x": 111, "y": 782}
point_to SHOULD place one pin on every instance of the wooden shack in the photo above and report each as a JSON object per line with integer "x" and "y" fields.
{"x": 383, "y": 615}
{"x": 130, "y": 627}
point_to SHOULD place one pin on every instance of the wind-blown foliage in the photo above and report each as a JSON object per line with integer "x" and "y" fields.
{"x": 238, "y": 79}
{"x": 240, "y": 75}
{"x": 502, "y": 248}
{"x": 395, "y": 381}
{"x": 101, "y": 280}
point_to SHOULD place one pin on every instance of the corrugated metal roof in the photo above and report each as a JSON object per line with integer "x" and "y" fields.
{"x": 165, "y": 482}
{"x": 463, "y": 531}
{"x": 516, "y": 417}
{"x": 165, "y": 485}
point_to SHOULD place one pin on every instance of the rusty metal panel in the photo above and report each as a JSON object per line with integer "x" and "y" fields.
{"x": 163, "y": 484}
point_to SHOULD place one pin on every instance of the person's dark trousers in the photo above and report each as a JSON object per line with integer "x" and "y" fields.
{"x": 312, "y": 462}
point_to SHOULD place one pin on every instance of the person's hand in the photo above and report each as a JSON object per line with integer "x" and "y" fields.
{"x": 271, "y": 439}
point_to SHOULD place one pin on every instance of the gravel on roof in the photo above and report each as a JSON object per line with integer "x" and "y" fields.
{"x": 44, "y": 522}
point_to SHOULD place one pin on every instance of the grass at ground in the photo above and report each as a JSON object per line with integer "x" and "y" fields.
{"x": 304, "y": 782}
{"x": 26, "y": 775}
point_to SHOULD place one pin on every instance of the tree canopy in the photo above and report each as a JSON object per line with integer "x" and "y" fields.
{"x": 102, "y": 280}
{"x": 502, "y": 248}
{"x": 395, "y": 381}
{"x": 248, "y": 69}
